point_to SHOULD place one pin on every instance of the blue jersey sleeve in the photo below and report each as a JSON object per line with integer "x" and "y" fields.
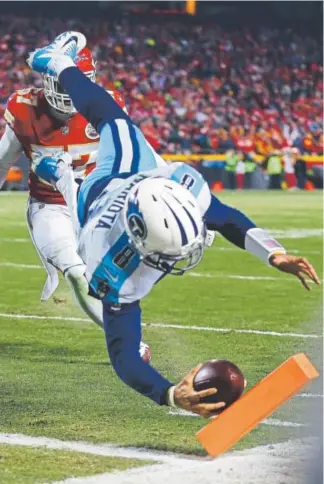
{"x": 230, "y": 222}
{"x": 123, "y": 336}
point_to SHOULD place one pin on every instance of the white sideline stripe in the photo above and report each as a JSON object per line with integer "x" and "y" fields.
{"x": 233, "y": 249}
{"x": 298, "y": 233}
{"x": 215, "y": 247}
{"x": 269, "y": 464}
{"x": 232, "y": 330}
{"x": 233, "y": 276}
{"x": 244, "y": 278}
{"x": 310, "y": 395}
{"x": 176, "y": 468}
{"x": 171, "y": 326}
{"x": 20, "y": 266}
{"x": 22, "y": 241}
{"x": 192, "y": 274}
{"x": 273, "y": 422}
{"x": 109, "y": 450}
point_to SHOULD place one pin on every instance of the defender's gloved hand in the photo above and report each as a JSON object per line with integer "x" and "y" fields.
{"x": 50, "y": 169}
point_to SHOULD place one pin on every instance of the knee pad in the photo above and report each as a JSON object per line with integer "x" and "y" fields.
{"x": 76, "y": 274}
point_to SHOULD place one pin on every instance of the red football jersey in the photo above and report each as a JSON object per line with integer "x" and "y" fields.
{"x": 30, "y": 117}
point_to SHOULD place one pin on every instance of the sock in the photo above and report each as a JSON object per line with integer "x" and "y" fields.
{"x": 79, "y": 285}
{"x": 59, "y": 63}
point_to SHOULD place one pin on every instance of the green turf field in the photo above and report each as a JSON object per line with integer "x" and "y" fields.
{"x": 56, "y": 377}
{"x": 46, "y": 465}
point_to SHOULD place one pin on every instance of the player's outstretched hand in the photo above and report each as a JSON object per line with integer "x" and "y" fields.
{"x": 187, "y": 398}
{"x": 298, "y": 266}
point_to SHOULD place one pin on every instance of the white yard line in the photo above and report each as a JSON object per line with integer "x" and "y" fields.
{"x": 232, "y": 330}
{"x": 172, "y": 326}
{"x": 233, "y": 276}
{"x": 233, "y": 249}
{"x": 216, "y": 275}
{"x": 191, "y": 274}
{"x": 20, "y": 266}
{"x": 298, "y": 233}
{"x": 10, "y": 240}
{"x": 273, "y": 422}
{"x": 214, "y": 248}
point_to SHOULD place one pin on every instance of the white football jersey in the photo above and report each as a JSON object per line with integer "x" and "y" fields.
{"x": 114, "y": 270}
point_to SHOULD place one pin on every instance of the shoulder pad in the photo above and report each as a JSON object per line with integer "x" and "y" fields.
{"x": 18, "y": 102}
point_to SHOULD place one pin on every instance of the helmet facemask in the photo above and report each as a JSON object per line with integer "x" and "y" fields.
{"x": 54, "y": 93}
{"x": 57, "y": 98}
{"x": 176, "y": 265}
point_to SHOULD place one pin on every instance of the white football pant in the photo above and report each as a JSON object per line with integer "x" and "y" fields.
{"x": 51, "y": 230}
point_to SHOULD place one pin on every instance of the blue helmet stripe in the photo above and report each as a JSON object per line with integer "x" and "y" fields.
{"x": 184, "y": 238}
{"x": 192, "y": 221}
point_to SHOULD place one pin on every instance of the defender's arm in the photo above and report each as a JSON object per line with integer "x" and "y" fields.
{"x": 10, "y": 150}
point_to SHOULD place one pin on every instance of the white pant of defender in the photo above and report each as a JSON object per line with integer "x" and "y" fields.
{"x": 51, "y": 230}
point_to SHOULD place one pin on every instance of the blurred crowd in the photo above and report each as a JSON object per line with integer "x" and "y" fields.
{"x": 192, "y": 88}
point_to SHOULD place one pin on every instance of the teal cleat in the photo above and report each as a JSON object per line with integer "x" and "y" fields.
{"x": 67, "y": 44}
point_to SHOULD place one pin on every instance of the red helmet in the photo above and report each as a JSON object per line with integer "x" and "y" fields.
{"x": 55, "y": 94}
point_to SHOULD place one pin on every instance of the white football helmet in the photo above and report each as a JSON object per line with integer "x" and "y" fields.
{"x": 164, "y": 224}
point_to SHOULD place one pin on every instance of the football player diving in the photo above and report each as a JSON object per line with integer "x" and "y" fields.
{"x": 138, "y": 219}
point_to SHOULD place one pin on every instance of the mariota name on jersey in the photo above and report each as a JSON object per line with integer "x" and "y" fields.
{"x": 109, "y": 217}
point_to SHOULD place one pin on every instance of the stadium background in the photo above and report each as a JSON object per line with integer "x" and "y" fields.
{"x": 235, "y": 89}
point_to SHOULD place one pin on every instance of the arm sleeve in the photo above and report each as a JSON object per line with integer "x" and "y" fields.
{"x": 231, "y": 223}
{"x": 91, "y": 100}
{"x": 10, "y": 150}
{"x": 123, "y": 336}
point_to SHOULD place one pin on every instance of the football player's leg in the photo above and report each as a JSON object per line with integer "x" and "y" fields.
{"x": 122, "y": 150}
{"x": 52, "y": 280}
{"x": 53, "y": 236}
{"x": 75, "y": 276}
{"x": 132, "y": 152}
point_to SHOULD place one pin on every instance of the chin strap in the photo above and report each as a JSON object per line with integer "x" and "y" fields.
{"x": 259, "y": 243}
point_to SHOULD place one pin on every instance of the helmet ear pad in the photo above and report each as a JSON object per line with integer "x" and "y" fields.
{"x": 163, "y": 222}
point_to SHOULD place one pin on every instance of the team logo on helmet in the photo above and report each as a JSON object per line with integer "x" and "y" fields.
{"x": 90, "y": 132}
{"x": 135, "y": 220}
{"x": 137, "y": 226}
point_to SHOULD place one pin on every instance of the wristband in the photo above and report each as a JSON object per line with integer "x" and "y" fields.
{"x": 259, "y": 243}
{"x": 170, "y": 397}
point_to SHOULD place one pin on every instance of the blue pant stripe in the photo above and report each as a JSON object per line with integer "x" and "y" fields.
{"x": 136, "y": 149}
{"x": 118, "y": 148}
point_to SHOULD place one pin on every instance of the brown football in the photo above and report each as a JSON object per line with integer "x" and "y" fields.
{"x": 223, "y": 375}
